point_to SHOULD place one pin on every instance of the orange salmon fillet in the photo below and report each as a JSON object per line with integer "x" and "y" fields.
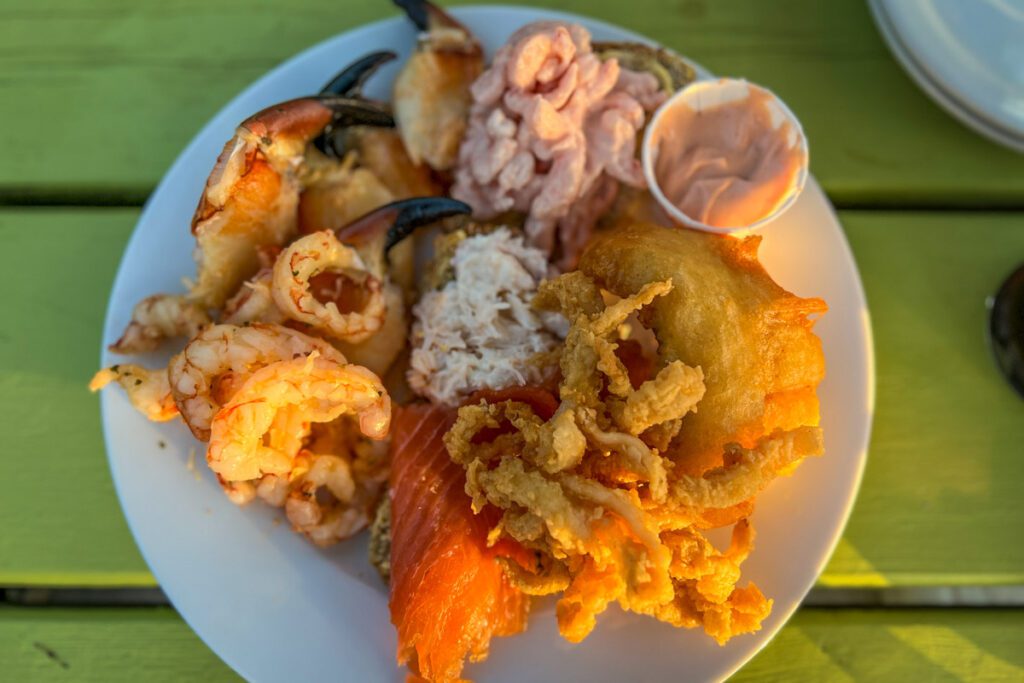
{"x": 449, "y": 596}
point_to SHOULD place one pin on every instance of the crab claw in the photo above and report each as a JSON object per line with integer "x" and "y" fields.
{"x": 351, "y": 79}
{"x": 431, "y": 93}
{"x": 395, "y": 221}
{"x": 349, "y": 111}
{"x": 251, "y": 196}
{"x": 355, "y": 111}
{"x": 426, "y": 15}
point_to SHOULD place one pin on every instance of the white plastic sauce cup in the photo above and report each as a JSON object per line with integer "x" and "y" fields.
{"x": 704, "y": 95}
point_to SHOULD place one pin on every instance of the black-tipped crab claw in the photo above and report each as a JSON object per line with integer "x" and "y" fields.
{"x": 385, "y": 227}
{"x": 431, "y": 95}
{"x": 251, "y": 197}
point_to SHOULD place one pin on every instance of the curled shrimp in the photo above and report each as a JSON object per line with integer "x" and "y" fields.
{"x": 253, "y": 302}
{"x": 245, "y": 438}
{"x": 148, "y": 390}
{"x": 160, "y": 317}
{"x": 334, "y": 483}
{"x": 313, "y": 255}
{"x": 220, "y": 358}
{"x": 323, "y": 518}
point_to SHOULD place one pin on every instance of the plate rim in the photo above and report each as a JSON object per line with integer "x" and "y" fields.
{"x": 259, "y": 84}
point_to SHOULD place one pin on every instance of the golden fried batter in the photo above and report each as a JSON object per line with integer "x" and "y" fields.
{"x": 612, "y": 491}
{"x": 752, "y": 339}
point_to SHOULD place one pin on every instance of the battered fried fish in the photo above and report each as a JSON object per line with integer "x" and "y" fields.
{"x": 752, "y": 339}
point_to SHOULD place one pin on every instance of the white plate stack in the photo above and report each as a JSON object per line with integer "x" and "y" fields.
{"x": 968, "y": 55}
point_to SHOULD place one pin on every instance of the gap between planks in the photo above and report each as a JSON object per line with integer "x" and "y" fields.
{"x": 936, "y": 596}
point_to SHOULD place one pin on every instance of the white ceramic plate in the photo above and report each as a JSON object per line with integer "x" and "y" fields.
{"x": 968, "y": 55}
{"x": 276, "y": 608}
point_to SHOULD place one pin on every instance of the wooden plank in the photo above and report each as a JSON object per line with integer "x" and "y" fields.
{"x": 62, "y": 522}
{"x": 939, "y": 499}
{"x": 940, "y": 494}
{"x": 95, "y": 644}
{"x": 104, "y": 644}
{"x": 941, "y": 646}
{"x": 98, "y": 98}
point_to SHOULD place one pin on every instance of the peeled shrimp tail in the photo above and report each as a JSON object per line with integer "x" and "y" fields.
{"x": 160, "y": 317}
{"x": 148, "y": 390}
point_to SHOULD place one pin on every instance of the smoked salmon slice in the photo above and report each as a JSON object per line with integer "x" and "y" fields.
{"x": 449, "y": 596}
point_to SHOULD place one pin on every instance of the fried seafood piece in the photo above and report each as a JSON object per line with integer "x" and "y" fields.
{"x": 159, "y": 317}
{"x": 431, "y": 92}
{"x": 449, "y": 596}
{"x": 587, "y": 488}
{"x": 251, "y": 197}
{"x": 749, "y": 470}
{"x": 596, "y": 540}
{"x": 573, "y": 521}
{"x": 148, "y": 390}
{"x": 705, "y": 580}
{"x": 754, "y": 341}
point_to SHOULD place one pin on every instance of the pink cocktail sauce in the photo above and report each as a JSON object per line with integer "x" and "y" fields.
{"x": 727, "y": 165}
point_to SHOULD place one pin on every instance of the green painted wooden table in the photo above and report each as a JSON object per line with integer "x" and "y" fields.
{"x": 97, "y": 99}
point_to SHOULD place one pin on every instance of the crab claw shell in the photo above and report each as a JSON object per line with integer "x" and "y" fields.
{"x": 397, "y": 220}
{"x": 251, "y": 196}
{"x": 426, "y": 15}
{"x": 350, "y": 80}
{"x": 348, "y": 112}
{"x": 670, "y": 69}
{"x": 355, "y": 111}
{"x": 286, "y": 128}
{"x": 431, "y": 93}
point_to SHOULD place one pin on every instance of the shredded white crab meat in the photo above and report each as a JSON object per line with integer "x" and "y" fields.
{"x": 479, "y": 331}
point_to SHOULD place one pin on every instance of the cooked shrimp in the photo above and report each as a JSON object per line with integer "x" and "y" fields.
{"x": 148, "y": 390}
{"x": 207, "y": 371}
{"x": 160, "y": 317}
{"x": 312, "y": 255}
{"x": 316, "y": 388}
{"x": 324, "y": 518}
{"x": 253, "y": 302}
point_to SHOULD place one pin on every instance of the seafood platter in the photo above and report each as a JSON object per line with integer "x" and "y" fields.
{"x": 489, "y": 337}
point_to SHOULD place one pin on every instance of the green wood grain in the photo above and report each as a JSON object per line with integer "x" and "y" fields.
{"x": 61, "y": 521}
{"x": 103, "y": 644}
{"x": 939, "y": 504}
{"x": 98, "y": 98}
{"x": 54, "y": 644}
{"x": 939, "y": 646}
